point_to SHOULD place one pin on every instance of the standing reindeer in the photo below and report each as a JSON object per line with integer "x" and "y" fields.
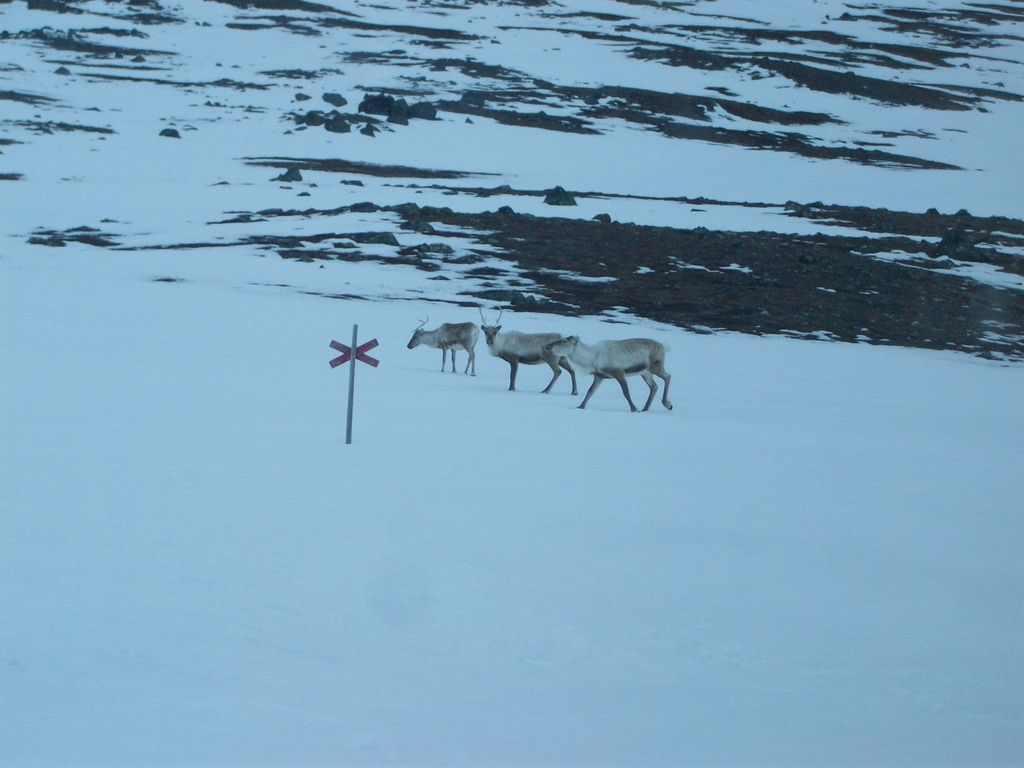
{"x": 617, "y": 360}
{"x": 527, "y": 348}
{"x": 448, "y": 336}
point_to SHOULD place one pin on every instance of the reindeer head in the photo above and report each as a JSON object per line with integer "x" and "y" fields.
{"x": 417, "y": 335}
{"x": 490, "y": 331}
{"x": 563, "y": 347}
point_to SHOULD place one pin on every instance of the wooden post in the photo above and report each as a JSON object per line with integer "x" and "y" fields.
{"x": 350, "y": 355}
{"x": 351, "y": 386}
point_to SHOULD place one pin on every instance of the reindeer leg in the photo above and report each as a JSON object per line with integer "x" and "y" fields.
{"x": 654, "y": 388}
{"x": 472, "y": 361}
{"x": 621, "y": 378}
{"x": 556, "y": 371}
{"x": 565, "y": 364}
{"x": 513, "y": 372}
{"x": 659, "y": 370}
{"x": 453, "y": 359}
{"x": 593, "y": 388}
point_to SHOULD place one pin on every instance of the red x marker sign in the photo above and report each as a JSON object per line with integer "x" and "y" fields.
{"x": 361, "y": 350}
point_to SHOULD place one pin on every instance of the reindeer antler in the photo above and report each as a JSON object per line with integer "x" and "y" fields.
{"x": 483, "y": 320}
{"x": 423, "y": 322}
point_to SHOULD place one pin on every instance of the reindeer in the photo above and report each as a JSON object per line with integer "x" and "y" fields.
{"x": 448, "y": 336}
{"x": 527, "y": 348}
{"x": 617, "y": 360}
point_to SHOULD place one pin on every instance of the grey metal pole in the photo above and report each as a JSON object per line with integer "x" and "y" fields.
{"x": 351, "y": 385}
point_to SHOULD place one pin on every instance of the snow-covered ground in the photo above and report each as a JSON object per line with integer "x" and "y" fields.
{"x": 814, "y": 559}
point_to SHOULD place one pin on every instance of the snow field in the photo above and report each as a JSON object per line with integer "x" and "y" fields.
{"x": 815, "y": 557}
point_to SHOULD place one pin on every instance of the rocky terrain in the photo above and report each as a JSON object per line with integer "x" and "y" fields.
{"x": 863, "y": 90}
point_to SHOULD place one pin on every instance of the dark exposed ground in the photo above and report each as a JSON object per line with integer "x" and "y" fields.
{"x": 49, "y": 126}
{"x": 991, "y": 229}
{"x": 87, "y": 235}
{"x": 25, "y": 98}
{"x": 223, "y": 82}
{"x": 347, "y": 166}
{"x": 280, "y": 5}
{"x": 691, "y": 284}
{"x": 79, "y": 41}
{"x": 818, "y": 285}
{"x": 687, "y": 116}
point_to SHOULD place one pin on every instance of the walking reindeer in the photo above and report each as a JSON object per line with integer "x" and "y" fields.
{"x": 517, "y": 348}
{"x": 448, "y": 336}
{"x": 617, "y": 360}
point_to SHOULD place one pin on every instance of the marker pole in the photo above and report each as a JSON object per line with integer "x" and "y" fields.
{"x": 351, "y": 386}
